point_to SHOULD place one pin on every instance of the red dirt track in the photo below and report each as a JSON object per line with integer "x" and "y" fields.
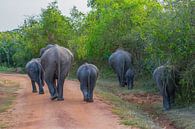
{"x": 34, "y": 111}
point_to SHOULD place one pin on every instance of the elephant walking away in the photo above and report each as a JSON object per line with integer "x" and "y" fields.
{"x": 56, "y": 62}
{"x": 129, "y": 76}
{"x": 87, "y": 75}
{"x": 36, "y": 74}
{"x": 166, "y": 79}
{"x": 120, "y": 61}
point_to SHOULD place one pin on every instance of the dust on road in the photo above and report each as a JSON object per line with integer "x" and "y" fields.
{"x": 34, "y": 111}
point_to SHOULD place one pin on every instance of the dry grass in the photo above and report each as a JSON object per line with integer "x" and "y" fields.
{"x": 142, "y": 106}
{"x": 130, "y": 114}
{"x": 7, "y": 96}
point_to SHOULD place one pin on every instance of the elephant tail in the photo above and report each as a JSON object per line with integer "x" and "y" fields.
{"x": 88, "y": 80}
{"x": 58, "y": 70}
{"x": 123, "y": 72}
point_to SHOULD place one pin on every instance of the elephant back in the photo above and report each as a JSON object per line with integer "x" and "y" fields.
{"x": 90, "y": 68}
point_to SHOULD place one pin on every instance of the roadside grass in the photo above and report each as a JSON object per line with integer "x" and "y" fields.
{"x": 6, "y": 69}
{"x": 183, "y": 117}
{"x": 146, "y": 116}
{"x": 3, "y": 126}
{"x": 130, "y": 114}
{"x": 7, "y": 96}
{"x": 6, "y": 103}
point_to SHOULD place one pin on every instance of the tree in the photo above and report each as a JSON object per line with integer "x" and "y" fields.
{"x": 56, "y": 27}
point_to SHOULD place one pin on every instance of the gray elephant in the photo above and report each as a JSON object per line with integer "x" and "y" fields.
{"x": 166, "y": 79}
{"x": 36, "y": 74}
{"x": 44, "y": 49}
{"x": 129, "y": 76}
{"x": 56, "y": 62}
{"x": 120, "y": 61}
{"x": 87, "y": 74}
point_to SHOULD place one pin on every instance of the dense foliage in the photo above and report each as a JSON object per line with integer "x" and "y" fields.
{"x": 154, "y": 32}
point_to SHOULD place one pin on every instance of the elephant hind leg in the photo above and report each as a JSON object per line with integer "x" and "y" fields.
{"x": 52, "y": 90}
{"x": 41, "y": 91}
{"x": 120, "y": 80}
{"x": 166, "y": 102}
{"x": 130, "y": 85}
{"x": 85, "y": 93}
{"x": 84, "y": 86}
{"x": 60, "y": 87}
{"x": 34, "y": 89}
{"x": 49, "y": 77}
{"x": 91, "y": 88}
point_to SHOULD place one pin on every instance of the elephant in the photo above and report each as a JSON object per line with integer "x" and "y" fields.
{"x": 44, "y": 49}
{"x": 120, "y": 61}
{"x": 87, "y": 75}
{"x": 129, "y": 76}
{"x": 166, "y": 78}
{"x": 56, "y": 62}
{"x": 36, "y": 74}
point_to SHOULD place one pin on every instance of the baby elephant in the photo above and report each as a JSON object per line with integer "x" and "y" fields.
{"x": 35, "y": 72}
{"x": 166, "y": 80}
{"x": 87, "y": 74}
{"x": 129, "y": 76}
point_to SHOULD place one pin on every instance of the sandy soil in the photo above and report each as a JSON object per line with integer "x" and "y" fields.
{"x": 34, "y": 111}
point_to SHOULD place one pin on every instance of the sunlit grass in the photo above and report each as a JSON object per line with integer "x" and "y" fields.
{"x": 137, "y": 115}
{"x": 6, "y": 69}
{"x": 2, "y": 126}
{"x": 7, "y": 96}
{"x": 130, "y": 114}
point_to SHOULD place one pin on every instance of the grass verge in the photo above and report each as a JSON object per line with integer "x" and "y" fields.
{"x": 5, "y": 69}
{"x": 7, "y": 96}
{"x": 140, "y": 114}
{"x": 130, "y": 114}
{"x": 183, "y": 117}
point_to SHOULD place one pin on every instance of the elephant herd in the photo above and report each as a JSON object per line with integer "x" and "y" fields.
{"x": 165, "y": 76}
{"x": 55, "y": 63}
{"x": 53, "y": 67}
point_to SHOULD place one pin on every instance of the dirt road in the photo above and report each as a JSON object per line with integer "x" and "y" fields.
{"x": 34, "y": 111}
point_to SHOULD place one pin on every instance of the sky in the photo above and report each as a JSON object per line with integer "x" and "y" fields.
{"x": 14, "y": 12}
